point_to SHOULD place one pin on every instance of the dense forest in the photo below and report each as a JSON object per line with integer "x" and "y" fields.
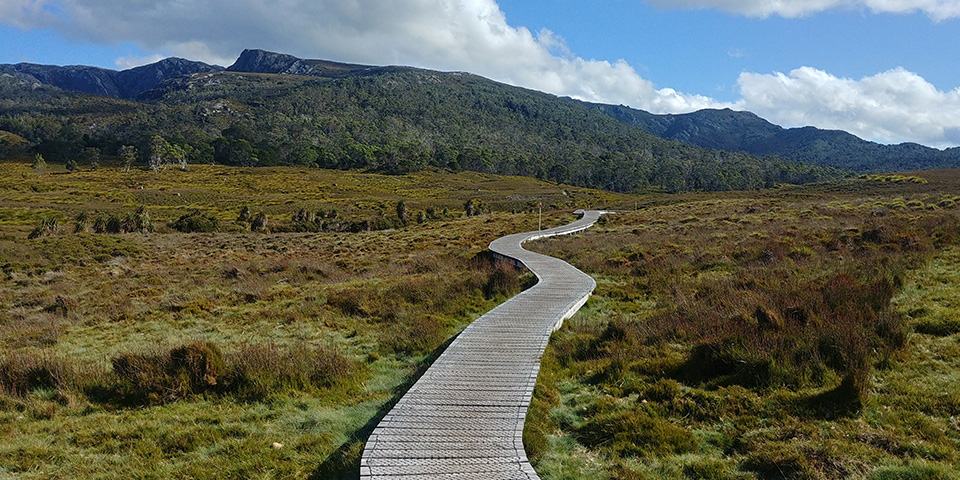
{"x": 393, "y": 120}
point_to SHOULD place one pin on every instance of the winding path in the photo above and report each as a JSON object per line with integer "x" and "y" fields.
{"x": 463, "y": 419}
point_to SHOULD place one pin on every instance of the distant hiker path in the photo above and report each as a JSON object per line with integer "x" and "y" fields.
{"x": 463, "y": 419}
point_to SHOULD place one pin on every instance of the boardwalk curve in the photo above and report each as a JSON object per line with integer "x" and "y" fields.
{"x": 463, "y": 419}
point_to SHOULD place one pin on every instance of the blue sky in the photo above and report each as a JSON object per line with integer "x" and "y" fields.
{"x": 703, "y": 51}
{"x": 885, "y": 70}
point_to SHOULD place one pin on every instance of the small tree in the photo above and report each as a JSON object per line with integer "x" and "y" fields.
{"x": 402, "y": 212}
{"x": 46, "y": 226}
{"x": 196, "y": 221}
{"x": 259, "y": 222}
{"x": 39, "y": 165}
{"x": 175, "y": 154}
{"x": 128, "y": 155}
{"x": 141, "y": 221}
{"x": 72, "y": 165}
{"x": 474, "y": 206}
{"x": 80, "y": 222}
{"x": 91, "y": 155}
{"x": 245, "y": 215}
{"x": 158, "y": 151}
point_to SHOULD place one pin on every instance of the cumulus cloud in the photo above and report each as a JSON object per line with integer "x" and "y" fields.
{"x": 24, "y": 13}
{"x": 124, "y": 63}
{"x": 474, "y": 36}
{"x": 470, "y": 35}
{"x": 936, "y": 9}
{"x": 893, "y": 106}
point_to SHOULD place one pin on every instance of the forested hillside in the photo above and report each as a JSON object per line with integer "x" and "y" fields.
{"x": 745, "y": 132}
{"x": 390, "y": 119}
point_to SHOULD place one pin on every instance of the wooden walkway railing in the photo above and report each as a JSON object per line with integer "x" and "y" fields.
{"x": 463, "y": 419}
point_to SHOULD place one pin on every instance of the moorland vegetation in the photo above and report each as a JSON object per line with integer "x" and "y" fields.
{"x": 257, "y": 322}
{"x": 799, "y": 333}
{"x": 151, "y": 327}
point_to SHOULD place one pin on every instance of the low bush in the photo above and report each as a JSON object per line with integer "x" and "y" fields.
{"x": 415, "y": 335}
{"x": 22, "y": 373}
{"x": 504, "y": 281}
{"x": 253, "y": 371}
{"x": 196, "y": 221}
{"x": 633, "y": 432}
{"x": 263, "y": 369}
{"x": 190, "y": 369}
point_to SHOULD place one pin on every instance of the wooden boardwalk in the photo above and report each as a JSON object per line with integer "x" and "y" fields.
{"x": 463, "y": 419}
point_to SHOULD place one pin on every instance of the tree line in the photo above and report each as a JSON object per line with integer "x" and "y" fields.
{"x": 395, "y": 123}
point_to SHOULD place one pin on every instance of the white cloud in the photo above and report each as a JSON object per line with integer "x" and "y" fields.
{"x": 474, "y": 36}
{"x": 893, "y": 106}
{"x": 24, "y": 13}
{"x": 469, "y": 35}
{"x": 124, "y": 63}
{"x": 736, "y": 53}
{"x": 936, "y": 9}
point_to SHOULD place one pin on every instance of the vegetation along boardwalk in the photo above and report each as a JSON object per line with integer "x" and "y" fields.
{"x": 463, "y": 419}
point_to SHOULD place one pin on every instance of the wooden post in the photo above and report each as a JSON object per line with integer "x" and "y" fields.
{"x": 540, "y": 216}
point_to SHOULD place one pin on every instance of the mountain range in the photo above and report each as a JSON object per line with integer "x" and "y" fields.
{"x": 127, "y": 84}
{"x": 270, "y": 108}
{"x": 746, "y": 132}
{"x": 728, "y": 130}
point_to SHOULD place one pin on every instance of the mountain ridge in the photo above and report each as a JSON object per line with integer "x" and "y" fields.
{"x": 127, "y": 84}
{"x": 725, "y": 130}
{"x": 397, "y": 121}
{"x": 742, "y": 131}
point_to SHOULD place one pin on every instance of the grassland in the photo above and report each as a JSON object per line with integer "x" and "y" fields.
{"x": 801, "y": 333}
{"x": 189, "y": 355}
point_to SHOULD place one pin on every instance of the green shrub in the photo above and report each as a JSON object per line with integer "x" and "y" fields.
{"x": 190, "y": 369}
{"x": 633, "y": 432}
{"x": 733, "y": 359}
{"x": 48, "y": 225}
{"x": 779, "y": 462}
{"x": 196, "y": 221}
{"x": 504, "y": 281}
{"x": 664, "y": 390}
{"x": 258, "y": 370}
{"x": 22, "y": 373}
{"x": 254, "y": 371}
{"x": 420, "y": 334}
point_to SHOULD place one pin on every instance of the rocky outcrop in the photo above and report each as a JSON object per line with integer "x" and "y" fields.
{"x": 262, "y": 61}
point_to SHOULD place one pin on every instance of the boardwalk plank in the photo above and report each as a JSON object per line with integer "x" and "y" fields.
{"x": 463, "y": 419}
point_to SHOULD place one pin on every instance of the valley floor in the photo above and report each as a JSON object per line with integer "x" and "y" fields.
{"x": 799, "y": 332}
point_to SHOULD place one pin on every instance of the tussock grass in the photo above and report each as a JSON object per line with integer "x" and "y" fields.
{"x": 127, "y": 352}
{"x": 781, "y": 334}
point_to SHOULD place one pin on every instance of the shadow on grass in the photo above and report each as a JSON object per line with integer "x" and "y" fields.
{"x": 344, "y": 462}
